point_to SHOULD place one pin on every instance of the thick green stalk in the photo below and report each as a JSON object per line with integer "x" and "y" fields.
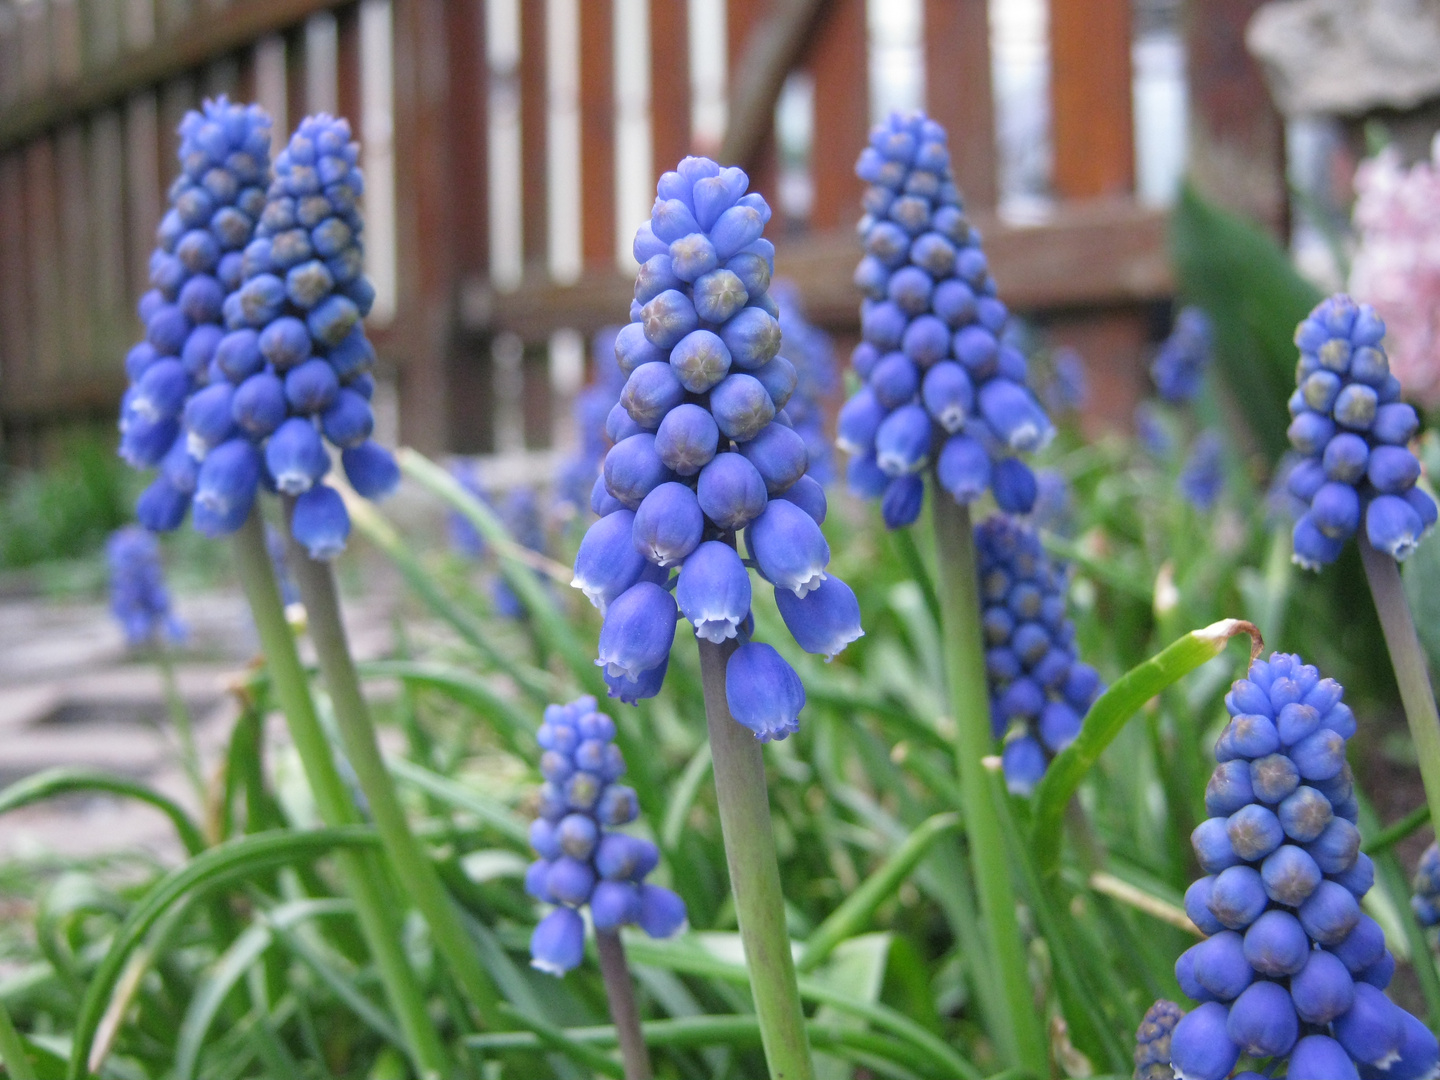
{"x": 362, "y": 871}
{"x": 1407, "y": 657}
{"x": 754, "y": 874}
{"x": 1022, "y": 1040}
{"x": 412, "y": 863}
{"x": 620, "y": 990}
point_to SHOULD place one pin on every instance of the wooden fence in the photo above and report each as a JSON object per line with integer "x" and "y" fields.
{"x": 490, "y": 270}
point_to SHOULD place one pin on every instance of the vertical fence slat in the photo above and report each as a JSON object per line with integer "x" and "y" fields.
{"x": 1090, "y": 92}
{"x": 295, "y": 88}
{"x": 669, "y": 82}
{"x": 115, "y": 324}
{"x": 142, "y": 187}
{"x": 958, "y": 91}
{"x": 10, "y": 73}
{"x": 76, "y": 253}
{"x": 14, "y": 303}
{"x": 347, "y": 63}
{"x": 597, "y": 132}
{"x": 42, "y": 247}
{"x": 65, "y": 40}
{"x": 534, "y": 108}
{"x": 102, "y": 23}
{"x": 1236, "y": 138}
{"x": 838, "y": 61}
{"x": 35, "y": 53}
{"x": 465, "y": 131}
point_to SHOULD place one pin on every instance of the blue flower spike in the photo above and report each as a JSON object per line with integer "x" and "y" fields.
{"x": 214, "y": 207}
{"x": 1152, "y": 1041}
{"x": 138, "y": 597}
{"x": 941, "y": 383}
{"x": 712, "y": 459}
{"x": 1039, "y": 689}
{"x": 584, "y": 860}
{"x": 1290, "y": 968}
{"x": 1353, "y": 431}
{"x": 1179, "y": 367}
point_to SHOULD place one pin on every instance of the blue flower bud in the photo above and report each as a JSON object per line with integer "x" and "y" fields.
{"x": 1276, "y": 944}
{"x": 948, "y": 394}
{"x": 311, "y": 387}
{"x": 731, "y": 491}
{"x": 779, "y": 378}
{"x": 823, "y": 621}
{"x": 926, "y": 340}
{"x": 1319, "y": 1057}
{"x": 895, "y": 380}
{"x": 1330, "y": 913}
{"x": 1200, "y": 1049}
{"x": 789, "y": 547}
{"x": 209, "y": 419}
{"x": 1254, "y": 831}
{"x": 349, "y": 420}
{"x": 1220, "y": 965}
{"x": 1023, "y": 761}
{"x": 963, "y": 468}
{"x": 633, "y": 469}
{"x": 753, "y": 338}
{"x": 1344, "y": 460}
{"x": 295, "y": 456}
{"x": 1228, "y": 789}
{"x": 691, "y": 257}
{"x": 857, "y": 423}
{"x": 558, "y": 942}
{"x": 662, "y": 913}
{"x": 700, "y": 361}
{"x": 638, "y": 630}
{"x": 807, "y": 494}
{"x": 285, "y": 343}
{"x": 225, "y": 487}
{"x": 763, "y": 691}
{"x": 1197, "y": 905}
{"x": 576, "y": 835}
{"x": 320, "y": 522}
{"x": 613, "y": 904}
{"x": 1372, "y": 1031}
{"x": 651, "y": 391}
{"x": 719, "y": 294}
{"x": 1393, "y": 526}
{"x": 713, "y": 591}
{"x": 1362, "y": 948}
{"x": 1237, "y": 897}
{"x": 1185, "y": 976}
{"x": 779, "y": 456}
{"x": 1262, "y": 1021}
{"x": 902, "y": 442}
{"x": 1014, "y": 486}
{"x": 742, "y": 407}
{"x": 1419, "y": 1051}
{"x": 1014, "y": 414}
{"x": 1273, "y": 777}
{"x": 608, "y": 562}
{"x": 668, "y": 525}
{"x": 1395, "y": 423}
{"x": 371, "y": 469}
{"x": 617, "y": 805}
{"x": 162, "y": 506}
{"x": 1212, "y": 847}
{"x": 1393, "y": 469}
{"x": 1323, "y": 989}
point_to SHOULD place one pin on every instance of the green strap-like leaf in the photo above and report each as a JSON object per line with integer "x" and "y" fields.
{"x": 67, "y": 781}
{"x": 1108, "y": 715}
{"x": 458, "y": 795}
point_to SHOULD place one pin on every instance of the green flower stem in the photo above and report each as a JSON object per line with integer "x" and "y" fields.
{"x": 12, "y": 1049}
{"x": 180, "y": 721}
{"x": 1408, "y": 659}
{"x": 417, "y": 873}
{"x": 754, "y": 874}
{"x": 363, "y": 871}
{"x": 1022, "y": 1039}
{"x": 620, "y": 989}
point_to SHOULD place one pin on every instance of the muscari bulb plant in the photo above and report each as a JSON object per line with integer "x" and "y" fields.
{"x": 704, "y": 455}
{"x": 1185, "y": 356}
{"x": 139, "y": 599}
{"x": 939, "y": 381}
{"x": 584, "y": 860}
{"x": 1039, "y": 690}
{"x": 1152, "y": 1041}
{"x": 1290, "y": 969}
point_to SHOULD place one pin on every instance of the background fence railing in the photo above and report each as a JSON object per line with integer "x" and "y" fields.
{"x": 510, "y": 147}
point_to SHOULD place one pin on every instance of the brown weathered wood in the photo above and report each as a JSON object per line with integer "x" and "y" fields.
{"x": 103, "y": 30}
{"x": 42, "y": 256}
{"x": 10, "y": 81}
{"x": 14, "y": 299}
{"x": 597, "y": 132}
{"x": 534, "y": 109}
{"x": 669, "y": 83}
{"x": 958, "y": 92}
{"x": 1103, "y": 252}
{"x": 1237, "y": 139}
{"x": 347, "y": 67}
{"x": 190, "y": 46}
{"x": 35, "y": 69}
{"x": 839, "y": 60}
{"x": 67, "y": 47}
{"x": 465, "y": 128}
{"x": 35, "y": 402}
{"x": 765, "y": 42}
{"x": 142, "y": 187}
{"x": 116, "y": 326}
{"x": 1090, "y": 93}
{"x": 296, "y": 103}
{"x": 76, "y": 229}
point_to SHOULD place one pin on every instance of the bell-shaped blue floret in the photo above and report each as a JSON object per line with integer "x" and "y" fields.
{"x": 669, "y": 524}
{"x": 742, "y": 407}
{"x": 321, "y": 523}
{"x": 632, "y": 691}
{"x": 161, "y": 506}
{"x": 1200, "y": 1049}
{"x": 1319, "y": 1057}
{"x": 1392, "y": 526}
{"x": 1023, "y": 761}
{"x": 638, "y": 630}
{"x": 662, "y": 912}
{"x": 558, "y": 943}
{"x": 902, "y": 442}
{"x": 963, "y": 468}
{"x": 763, "y": 691}
{"x": 349, "y": 420}
{"x": 1220, "y": 965}
{"x": 789, "y": 547}
{"x": 731, "y": 491}
{"x": 295, "y": 456}
{"x": 1275, "y": 943}
{"x": 209, "y": 417}
{"x": 823, "y": 621}
{"x": 1323, "y": 989}
{"x": 1372, "y": 1031}
{"x": 259, "y": 406}
{"x": 608, "y": 563}
{"x": 713, "y": 591}
{"x": 687, "y": 439}
{"x": 700, "y": 360}
{"x": 858, "y": 422}
{"x": 371, "y": 469}
{"x": 225, "y": 487}
{"x": 901, "y": 503}
{"x": 1419, "y": 1052}
{"x": 633, "y": 469}
{"x": 779, "y": 456}
{"x": 1262, "y": 1021}
{"x": 311, "y": 387}
{"x": 807, "y": 494}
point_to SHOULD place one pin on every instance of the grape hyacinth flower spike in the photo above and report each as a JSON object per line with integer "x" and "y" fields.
{"x": 579, "y": 475}
{"x": 1039, "y": 689}
{"x": 215, "y": 203}
{"x": 1359, "y": 478}
{"x": 706, "y": 463}
{"x": 1179, "y": 367}
{"x": 1152, "y": 1041}
{"x": 138, "y": 597}
{"x": 586, "y": 862}
{"x": 1290, "y": 968}
{"x": 1426, "y": 900}
{"x": 813, "y": 353}
{"x": 942, "y": 388}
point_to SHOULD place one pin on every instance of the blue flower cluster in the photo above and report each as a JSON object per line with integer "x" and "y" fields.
{"x": 1352, "y": 428}
{"x": 1290, "y": 965}
{"x": 214, "y": 206}
{"x": 296, "y": 363}
{"x": 1152, "y": 1041}
{"x": 940, "y": 381}
{"x": 1426, "y": 901}
{"x": 138, "y": 597}
{"x": 1179, "y": 367}
{"x": 1039, "y": 690}
{"x": 704, "y": 451}
{"x": 583, "y": 860}
{"x": 1068, "y": 388}
{"x": 813, "y": 353}
{"x": 575, "y": 479}
{"x": 1203, "y": 476}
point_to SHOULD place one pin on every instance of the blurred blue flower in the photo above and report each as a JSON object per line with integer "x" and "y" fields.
{"x": 1068, "y": 388}
{"x": 138, "y": 597}
{"x": 1152, "y": 1041}
{"x": 1203, "y": 476}
{"x": 576, "y": 476}
{"x": 812, "y": 353}
{"x": 1179, "y": 367}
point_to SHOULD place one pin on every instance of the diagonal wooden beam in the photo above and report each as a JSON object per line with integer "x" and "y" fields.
{"x": 774, "y": 46}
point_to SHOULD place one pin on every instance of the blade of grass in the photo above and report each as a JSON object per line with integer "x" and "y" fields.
{"x": 68, "y": 781}
{"x": 496, "y": 815}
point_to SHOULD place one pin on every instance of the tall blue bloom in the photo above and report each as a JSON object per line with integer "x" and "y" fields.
{"x": 1152, "y": 1041}
{"x": 577, "y": 475}
{"x": 583, "y": 857}
{"x": 298, "y": 314}
{"x": 1203, "y": 476}
{"x": 1039, "y": 690}
{"x": 1353, "y": 431}
{"x": 465, "y": 539}
{"x": 1290, "y": 968}
{"x": 813, "y": 353}
{"x": 941, "y": 382}
{"x": 138, "y": 597}
{"x": 705, "y": 454}
{"x": 1068, "y": 388}
{"x": 214, "y": 206}
{"x": 1179, "y": 367}
{"x": 524, "y": 519}
{"x": 1426, "y": 901}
